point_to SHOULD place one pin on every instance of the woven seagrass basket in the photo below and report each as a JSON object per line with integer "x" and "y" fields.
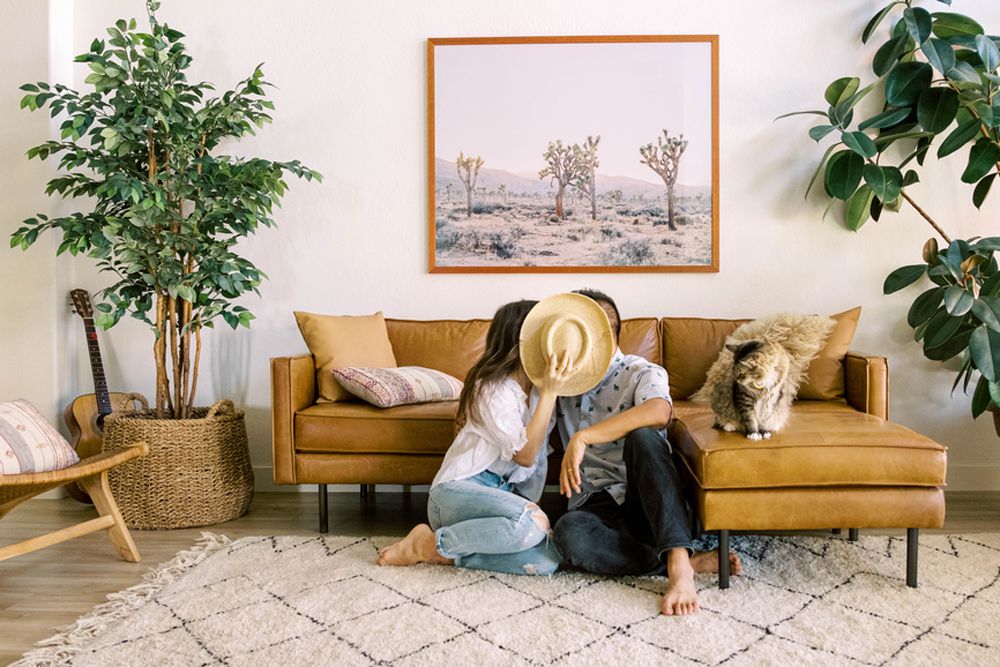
{"x": 197, "y": 472}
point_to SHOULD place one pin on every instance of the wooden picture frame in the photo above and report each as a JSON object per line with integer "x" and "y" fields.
{"x": 500, "y": 104}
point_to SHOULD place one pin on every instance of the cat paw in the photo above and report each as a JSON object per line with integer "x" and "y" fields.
{"x": 728, "y": 428}
{"x": 766, "y": 435}
{"x": 753, "y": 436}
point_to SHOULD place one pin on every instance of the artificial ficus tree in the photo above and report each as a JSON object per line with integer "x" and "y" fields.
{"x": 563, "y": 169}
{"x": 166, "y": 208}
{"x": 468, "y": 173}
{"x": 664, "y": 158}
{"x": 940, "y": 87}
{"x": 587, "y": 164}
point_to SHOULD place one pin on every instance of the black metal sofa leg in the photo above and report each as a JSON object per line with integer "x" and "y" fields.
{"x": 723, "y": 559}
{"x": 912, "y": 543}
{"x": 324, "y": 523}
{"x": 852, "y": 534}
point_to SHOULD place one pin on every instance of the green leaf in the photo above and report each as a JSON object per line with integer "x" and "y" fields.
{"x": 802, "y": 113}
{"x": 910, "y": 177}
{"x": 983, "y": 157}
{"x": 886, "y": 182}
{"x": 918, "y": 23}
{"x": 820, "y": 131}
{"x": 984, "y": 347}
{"x": 982, "y": 190}
{"x": 988, "y": 52}
{"x": 960, "y": 136}
{"x": 936, "y": 109}
{"x": 987, "y": 309}
{"x": 841, "y": 89}
{"x": 843, "y": 173}
{"x": 819, "y": 168}
{"x": 905, "y": 83}
{"x": 924, "y": 306}
{"x": 948, "y": 25}
{"x": 939, "y": 53}
{"x": 956, "y": 344}
{"x": 963, "y": 72}
{"x": 888, "y": 54}
{"x": 885, "y": 119}
{"x": 995, "y": 393}
{"x": 940, "y": 329}
{"x": 874, "y": 22}
{"x": 903, "y": 277}
{"x": 981, "y": 397}
{"x": 858, "y": 208}
{"x": 860, "y": 143}
{"x": 957, "y": 301}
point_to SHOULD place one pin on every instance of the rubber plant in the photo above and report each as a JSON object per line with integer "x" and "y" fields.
{"x": 939, "y": 95}
{"x": 166, "y": 207}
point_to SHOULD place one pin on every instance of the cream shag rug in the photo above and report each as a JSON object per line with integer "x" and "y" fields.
{"x": 321, "y": 600}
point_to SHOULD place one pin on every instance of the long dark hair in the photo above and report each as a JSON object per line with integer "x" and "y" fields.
{"x": 501, "y": 358}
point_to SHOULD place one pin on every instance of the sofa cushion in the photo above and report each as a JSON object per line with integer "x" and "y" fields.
{"x": 825, "y": 377}
{"x": 337, "y": 341}
{"x": 690, "y": 347}
{"x": 389, "y": 387}
{"x": 825, "y": 444}
{"x": 641, "y": 336}
{"x": 355, "y": 427}
{"x": 450, "y": 346}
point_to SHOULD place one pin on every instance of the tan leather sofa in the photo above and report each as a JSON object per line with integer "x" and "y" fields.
{"x": 839, "y": 463}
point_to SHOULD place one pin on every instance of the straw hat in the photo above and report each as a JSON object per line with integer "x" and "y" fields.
{"x": 568, "y": 322}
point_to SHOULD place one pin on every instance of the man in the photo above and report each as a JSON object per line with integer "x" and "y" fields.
{"x": 627, "y": 515}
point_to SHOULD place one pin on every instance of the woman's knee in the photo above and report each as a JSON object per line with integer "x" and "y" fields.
{"x": 533, "y": 526}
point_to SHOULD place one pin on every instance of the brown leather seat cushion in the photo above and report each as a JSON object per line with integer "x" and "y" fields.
{"x": 825, "y": 443}
{"x": 359, "y": 428}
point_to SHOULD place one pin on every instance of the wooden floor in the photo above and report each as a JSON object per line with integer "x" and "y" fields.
{"x": 54, "y": 586}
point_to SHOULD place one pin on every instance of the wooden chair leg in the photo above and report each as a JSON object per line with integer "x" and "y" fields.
{"x": 99, "y": 491}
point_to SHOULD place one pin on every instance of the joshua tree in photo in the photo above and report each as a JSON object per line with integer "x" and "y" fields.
{"x": 468, "y": 171}
{"x": 502, "y": 191}
{"x": 615, "y": 196}
{"x": 664, "y": 158}
{"x": 586, "y": 182}
{"x": 449, "y": 190}
{"x": 563, "y": 169}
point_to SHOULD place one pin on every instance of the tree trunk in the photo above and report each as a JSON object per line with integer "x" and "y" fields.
{"x": 593, "y": 196}
{"x": 670, "y": 208}
{"x": 560, "y": 213}
{"x": 468, "y": 210}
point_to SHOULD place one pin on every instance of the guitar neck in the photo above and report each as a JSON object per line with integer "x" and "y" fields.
{"x": 97, "y": 368}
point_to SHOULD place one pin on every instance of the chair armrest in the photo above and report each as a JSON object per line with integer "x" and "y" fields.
{"x": 866, "y": 383}
{"x": 293, "y": 388}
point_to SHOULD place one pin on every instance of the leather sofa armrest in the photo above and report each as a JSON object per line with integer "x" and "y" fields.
{"x": 293, "y": 388}
{"x": 866, "y": 383}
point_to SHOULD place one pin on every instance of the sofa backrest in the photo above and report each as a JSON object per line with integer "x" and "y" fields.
{"x": 450, "y": 346}
{"x": 690, "y": 347}
{"x": 641, "y": 336}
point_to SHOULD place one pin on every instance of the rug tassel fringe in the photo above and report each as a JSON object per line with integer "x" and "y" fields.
{"x": 60, "y": 648}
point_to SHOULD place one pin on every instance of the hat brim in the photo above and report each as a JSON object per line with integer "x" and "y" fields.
{"x": 534, "y": 359}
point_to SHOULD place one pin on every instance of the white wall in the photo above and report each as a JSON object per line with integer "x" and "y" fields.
{"x": 352, "y": 103}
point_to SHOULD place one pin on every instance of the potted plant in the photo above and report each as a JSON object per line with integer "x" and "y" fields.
{"x": 939, "y": 89}
{"x": 166, "y": 211}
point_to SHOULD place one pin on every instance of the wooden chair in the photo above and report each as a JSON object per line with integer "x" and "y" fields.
{"x": 91, "y": 474}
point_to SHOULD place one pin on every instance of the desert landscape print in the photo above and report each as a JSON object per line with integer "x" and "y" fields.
{"x": 556, "y": 155}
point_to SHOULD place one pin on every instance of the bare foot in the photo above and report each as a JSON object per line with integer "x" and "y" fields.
{"x": 681, "y": 597}
{"x": 708, "y": 562}
{"x": 417, "y": 547}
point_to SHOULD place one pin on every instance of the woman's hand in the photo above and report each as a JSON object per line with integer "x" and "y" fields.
{"x": 569, "y": 473}
{"x": 557, "y": 371}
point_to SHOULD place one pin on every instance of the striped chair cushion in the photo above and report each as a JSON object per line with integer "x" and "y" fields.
{"x": 28, "y": 443}
{"x": 387, "y": 387}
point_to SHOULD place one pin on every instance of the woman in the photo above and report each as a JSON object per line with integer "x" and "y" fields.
{"x": 482, "y": 505}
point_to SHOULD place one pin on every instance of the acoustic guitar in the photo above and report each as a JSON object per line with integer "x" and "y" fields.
{"x": 85, "y": 415}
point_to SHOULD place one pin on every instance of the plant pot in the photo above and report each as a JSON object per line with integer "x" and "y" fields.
{"x": 197, "y": 472}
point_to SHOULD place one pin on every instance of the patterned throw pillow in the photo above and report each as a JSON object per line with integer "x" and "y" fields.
{"x": 28, "y": 443}
{"x": 387, "y": 387}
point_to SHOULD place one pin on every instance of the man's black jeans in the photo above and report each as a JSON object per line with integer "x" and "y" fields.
{"x": 604, "y": 537}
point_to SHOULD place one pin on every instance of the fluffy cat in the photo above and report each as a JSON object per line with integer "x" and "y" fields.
{"x": 756, "y": 397}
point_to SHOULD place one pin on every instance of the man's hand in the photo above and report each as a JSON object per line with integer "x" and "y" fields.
{"x": 569, "y": 474}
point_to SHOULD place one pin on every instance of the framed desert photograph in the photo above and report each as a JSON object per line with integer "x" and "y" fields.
{"x": 573, "y": 154}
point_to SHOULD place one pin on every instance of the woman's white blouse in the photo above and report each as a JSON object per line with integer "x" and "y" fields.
{"x": 504, "y": 412}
